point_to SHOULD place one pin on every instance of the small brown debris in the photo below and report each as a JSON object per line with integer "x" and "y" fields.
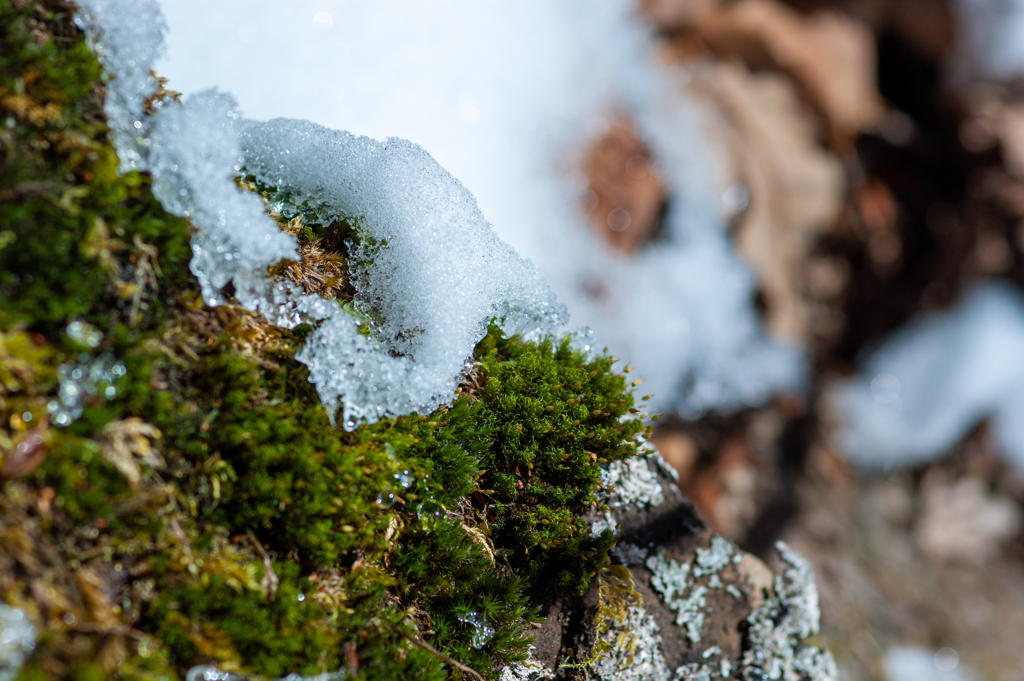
{"x": 28, "y": 454}
{"x": 625, "y": 195}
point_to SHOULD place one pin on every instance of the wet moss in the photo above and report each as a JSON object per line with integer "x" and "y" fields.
{"x": 201, "y": 508}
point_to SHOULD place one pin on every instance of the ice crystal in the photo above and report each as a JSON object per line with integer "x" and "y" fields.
{"x": 17, "y": 641}
{"x": 482, "y": 630}
{"x": 85, "y": 334}
{"x": 204, "y": 672}
{"x": 508, "y": 94}
{"x": 79, "y": 381}
{"x": 429, "y": 271}
{"x": 427, "y": 267}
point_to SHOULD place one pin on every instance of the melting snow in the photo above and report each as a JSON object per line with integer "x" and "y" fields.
{"x": 938, "y": 377}
{"x": 438, "y": 273}
{"x": 507, "y": 94}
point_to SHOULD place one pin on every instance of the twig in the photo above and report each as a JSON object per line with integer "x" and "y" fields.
{"x": 270, "y": 582}
{"x": 450, "y": 660}
{"x": 117, "y": 629}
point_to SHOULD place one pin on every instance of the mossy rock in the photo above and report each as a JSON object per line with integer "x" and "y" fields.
{"x": 201, "y": 508}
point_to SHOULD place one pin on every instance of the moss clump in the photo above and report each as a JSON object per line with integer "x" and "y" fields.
{"x": 201, "y": 508}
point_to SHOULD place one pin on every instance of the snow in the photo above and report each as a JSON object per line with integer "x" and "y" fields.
{"x": 919, "y": 664}
{"x": 932, "y": 381}
{"x": 17, "y": 641}
{"x": 429, "y": 271}
{"x": 507, "y": 95}
{"x": 991, "y": 39}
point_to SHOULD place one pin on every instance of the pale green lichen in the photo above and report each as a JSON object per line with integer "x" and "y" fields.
{"x": 777, "y": 628}
{"x": 686, "y": 598}
{"x": 529, "y": 669}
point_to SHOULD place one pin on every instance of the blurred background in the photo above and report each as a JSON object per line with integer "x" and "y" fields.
{"x": 801, "y": 221}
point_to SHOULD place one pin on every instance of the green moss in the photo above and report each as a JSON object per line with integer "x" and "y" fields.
{"x": 207, "y": 511}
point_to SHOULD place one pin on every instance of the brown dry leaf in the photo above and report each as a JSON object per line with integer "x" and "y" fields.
{"x": 124, "y": 443}
{"x": 961, "y": 521}
{"x": 995, "y": 117}
{"x": 28, "y": 454}
{"x": 796, "y": 187}
{"x": 725, "y": 493}
{"x": 625, "y": 195}
{"x": 878, "y": 213}
{"x": 100, "y": 610}
{"x": 679, "y": 451}
{"x": 829, "y": 55}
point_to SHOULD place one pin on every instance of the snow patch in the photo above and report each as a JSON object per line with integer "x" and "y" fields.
{"x": 430, "y": 273}
{"x": 935, "y": 379}
{"x": 507, "y": 95}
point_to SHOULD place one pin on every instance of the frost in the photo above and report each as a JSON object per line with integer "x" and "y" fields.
{"x": 79, "y": 381}
{"x": 782, "y": 622}
{"x": 528, "y": 670}
{"x": 85, "y": 334}
{"x": 935, "y": 379}
{"x": 482, "y": 631}
{"x": 132, "y": 39}
{"x": 205, "y": 672}
{"x": 429, "y": 271}
{"x": 507, "y": 95}
{"x": 17, "y": 641}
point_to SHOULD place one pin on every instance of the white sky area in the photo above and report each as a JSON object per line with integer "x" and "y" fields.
{"x": 506, "y": 94}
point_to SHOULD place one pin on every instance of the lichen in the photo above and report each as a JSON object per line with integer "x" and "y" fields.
{"x": 627, "y": 642}
{"x": 681, "y": 594}
{"x": 777, "y": 628}
{"x": 529, "y": 669}
{"x": 632, "y": 483}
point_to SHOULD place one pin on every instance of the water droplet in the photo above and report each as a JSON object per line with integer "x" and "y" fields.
{"x": 302, "y": 597}
{"x": 618, "y": 220}
{"x": 885, "y": 388}
{"x": 946, "y": 659}
{"x": 429, "y": 509}
{"x": 386, "y": 499}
